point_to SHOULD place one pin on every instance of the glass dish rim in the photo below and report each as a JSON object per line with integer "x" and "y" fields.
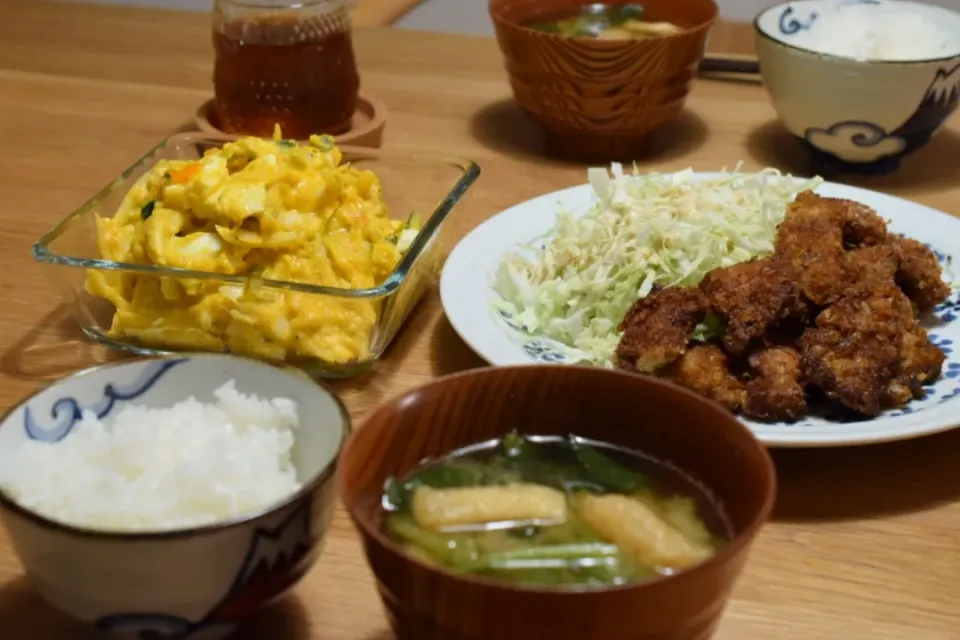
{"x": 470, "y": 172}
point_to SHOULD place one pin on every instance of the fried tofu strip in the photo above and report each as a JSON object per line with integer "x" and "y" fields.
{"x": 440, "y": 508}
{"x": 639, "y": 531}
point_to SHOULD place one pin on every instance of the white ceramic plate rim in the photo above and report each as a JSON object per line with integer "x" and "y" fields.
{"x": 466, "y": 297}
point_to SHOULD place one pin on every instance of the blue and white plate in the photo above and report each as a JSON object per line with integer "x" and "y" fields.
{"x": 472, "y": 264}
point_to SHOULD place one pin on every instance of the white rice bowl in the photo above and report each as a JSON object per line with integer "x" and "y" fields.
{"x": 858, "y": 30}
{"x": 190, "y": 464}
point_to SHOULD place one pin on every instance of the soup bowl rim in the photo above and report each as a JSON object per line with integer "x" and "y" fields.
{"x": 373, "y": 531}
{"x": 497, "y": 16}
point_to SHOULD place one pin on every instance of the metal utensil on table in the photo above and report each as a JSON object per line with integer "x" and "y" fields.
{"x": 729, "y": 64}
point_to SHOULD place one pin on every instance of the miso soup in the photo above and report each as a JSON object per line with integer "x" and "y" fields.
{"x": 606, "y": 22}
{"x": 552, "y": 511}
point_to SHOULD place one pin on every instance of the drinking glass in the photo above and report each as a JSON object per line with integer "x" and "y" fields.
{"x": 284, "y": 62}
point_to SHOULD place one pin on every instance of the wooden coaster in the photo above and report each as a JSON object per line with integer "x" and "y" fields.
{"x": 366, "y": 130}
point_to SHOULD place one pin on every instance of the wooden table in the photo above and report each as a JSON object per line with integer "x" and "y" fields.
{"x": 864, "y": 543}
{"x": 381, "y": 13}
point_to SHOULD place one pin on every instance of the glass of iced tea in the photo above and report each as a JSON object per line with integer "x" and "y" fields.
{"x": 284, "y": 62}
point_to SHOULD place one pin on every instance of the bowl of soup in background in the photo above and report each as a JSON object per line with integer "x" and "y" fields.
{"x": 138, "y": 579}
{"x": 860, "y": 112}
{"x": 676, "y": 428}
{"x": 600, "y": 84}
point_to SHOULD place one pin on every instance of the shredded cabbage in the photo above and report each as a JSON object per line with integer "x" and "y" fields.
{"x": 575, "y": 284}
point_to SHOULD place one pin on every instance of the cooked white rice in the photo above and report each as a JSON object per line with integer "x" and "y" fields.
{"x": 193, "y": 463}
{"x": 888, "y": 32}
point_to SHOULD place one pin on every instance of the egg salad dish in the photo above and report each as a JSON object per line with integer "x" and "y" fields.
{"x": 268, "y": 209}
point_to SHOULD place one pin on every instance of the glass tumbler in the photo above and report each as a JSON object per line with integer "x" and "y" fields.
{"x": 284, "y": 62}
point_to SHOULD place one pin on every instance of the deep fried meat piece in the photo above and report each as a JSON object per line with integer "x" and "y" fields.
{"x": 858, "y": 223}
{"x": 853, "y": 371}
{"x": 776, "y": 393}
{"x": 705, "y": 369}
{"x": 919, "y": 274}
{"x": 795, "y": 317}
{"x": 812, "y": 238}
{"x": 809, "y": 242}
{"x": 870, "y": 266}
{"x": 879, "y": 308}
{"x": 920, "y": 363}
{"x": 749, "y": 297}
{"x": 657, "y": 328}
{"x": 861, "y": 225}
{"x": 853, "y": 352}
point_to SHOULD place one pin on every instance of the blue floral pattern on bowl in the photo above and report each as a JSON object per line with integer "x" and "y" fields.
{"x": 790, "y": 23}
{"x": 67, "y": 412}
{"x": 938, "y": 102}
{"x": 541, "y": 350}
{"x": 274, "y": 560}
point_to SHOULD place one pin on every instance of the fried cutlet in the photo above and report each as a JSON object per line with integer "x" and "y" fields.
{"x": 861, "y": 225}
{"x": 814, "y": 235}
{"x": 705, "y": 368}
{"x": 869, "y": 265}
{"x": 920, "y": 362}
{"x": 749, "y": 297}
{"x": 809, "y": 243}
{"x": 833, "y": 310}
{"x": 919, "y": 274}
{"x": 853, "y": 352}
{"x": 776, "y": 392}
{"x": 657, "y": 328}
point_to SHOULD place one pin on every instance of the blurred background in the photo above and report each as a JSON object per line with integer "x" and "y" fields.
{"x": 464, "y": 16}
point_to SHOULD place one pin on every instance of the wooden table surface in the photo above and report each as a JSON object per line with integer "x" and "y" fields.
{"x": 380, "y": 13}
{"x": 864, "y": 543}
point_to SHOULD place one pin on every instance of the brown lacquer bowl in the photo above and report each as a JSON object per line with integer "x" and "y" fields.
{"x": 641, "y": 413}
{"x": 588, "y": 78}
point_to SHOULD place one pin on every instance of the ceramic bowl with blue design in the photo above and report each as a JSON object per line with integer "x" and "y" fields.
{"x": 856, "y": 115}
{"x": 194, "y": 583}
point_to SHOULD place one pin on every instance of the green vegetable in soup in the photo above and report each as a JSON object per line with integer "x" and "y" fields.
{"x": 450, "y": 475}
{"x": 445, "y": 475}
{"x": 452, "y": 550}
{"x": 625, "y": 22}
{"x": 605, "y": 471}
{"x": 551, "y": 511}
{"x": 516, "y": 447}
{"x": 566, "y": 555}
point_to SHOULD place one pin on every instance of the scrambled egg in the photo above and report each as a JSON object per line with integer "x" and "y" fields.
{"x": 270, "y": 209}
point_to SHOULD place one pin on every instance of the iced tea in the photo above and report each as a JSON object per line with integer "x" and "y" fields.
{"x": 285, "y": 67}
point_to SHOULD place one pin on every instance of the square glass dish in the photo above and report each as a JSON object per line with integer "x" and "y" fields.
{"x": 429, "y": 186}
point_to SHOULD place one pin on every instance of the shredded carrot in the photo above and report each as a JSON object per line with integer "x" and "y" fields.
{"x": 179, "y": 176}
